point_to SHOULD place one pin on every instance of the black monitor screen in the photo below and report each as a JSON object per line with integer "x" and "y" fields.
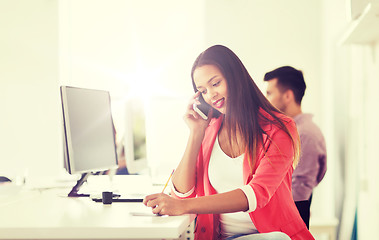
{"x": 89, "y": 137}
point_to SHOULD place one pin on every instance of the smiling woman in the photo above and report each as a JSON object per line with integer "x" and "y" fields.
{"x": 236, "y": 169}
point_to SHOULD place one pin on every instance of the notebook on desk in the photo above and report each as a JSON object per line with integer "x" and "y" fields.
{"x": 120, "y": 197}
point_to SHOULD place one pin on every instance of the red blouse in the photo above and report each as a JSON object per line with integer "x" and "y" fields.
{"x": 270, "y": 181}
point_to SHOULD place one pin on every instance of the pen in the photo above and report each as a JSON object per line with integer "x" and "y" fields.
{"x": 168, "y": 180}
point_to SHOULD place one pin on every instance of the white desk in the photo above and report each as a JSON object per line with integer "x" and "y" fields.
{"x": 46, "y": 215}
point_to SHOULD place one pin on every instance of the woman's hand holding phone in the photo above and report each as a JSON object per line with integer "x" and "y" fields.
{"x": 193, "y": 119}
{"x": 202, "y": 109}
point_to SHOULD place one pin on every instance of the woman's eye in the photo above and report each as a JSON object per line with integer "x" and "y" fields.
{"x": 203, "y": 92}
{"x": 216, "y": 84}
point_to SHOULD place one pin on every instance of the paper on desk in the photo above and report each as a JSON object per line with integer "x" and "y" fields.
{"x": 144, "y": 212}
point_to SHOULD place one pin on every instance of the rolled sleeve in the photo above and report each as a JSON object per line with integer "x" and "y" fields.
{"x": 251, "y": 198}
{"x": 182, "y": 195}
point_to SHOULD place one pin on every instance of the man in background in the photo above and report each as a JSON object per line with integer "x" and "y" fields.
{"x": 285, "y": 90}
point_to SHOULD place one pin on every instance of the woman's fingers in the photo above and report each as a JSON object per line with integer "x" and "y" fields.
{"x": 197, "y": 94}
{"x": 148, "y": 198}
{"x": 162, "y": 204}
{"x": 192, "y": 113}
{"x": 194, "y": 99}
{"x": 152, "y": 203}
{"x": 154, "y": 199}
{"x": 158, "y": 210}
{"x": 191, "y": 103}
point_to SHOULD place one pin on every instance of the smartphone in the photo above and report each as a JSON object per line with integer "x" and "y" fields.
{"x": 202, "y": 109}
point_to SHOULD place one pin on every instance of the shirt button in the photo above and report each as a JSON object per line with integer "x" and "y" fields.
{"x": 203, "y": 229}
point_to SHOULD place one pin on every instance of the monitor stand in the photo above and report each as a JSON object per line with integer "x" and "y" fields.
{"x": 75, "y": 189}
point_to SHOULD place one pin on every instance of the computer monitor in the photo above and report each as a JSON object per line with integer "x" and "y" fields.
{"x": 88, "y": 132}
{"x": 135, "y": 135}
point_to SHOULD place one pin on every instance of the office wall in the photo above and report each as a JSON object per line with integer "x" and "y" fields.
{"x": 28, "y": 95}
{"x": 141, "y": 49}
{"x": 122, "y": 45}
{"x": 368, "y": 203}
{"x": 334, "y": 96}
{"x": 270, "y": 34}
{"x": 361, "y": 162}
{"x": 351, "y": 83}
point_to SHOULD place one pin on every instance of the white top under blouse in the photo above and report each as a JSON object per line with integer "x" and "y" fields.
{"x": 225, "y": 174}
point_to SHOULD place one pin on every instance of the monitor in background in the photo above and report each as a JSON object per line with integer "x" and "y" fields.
{"x": 89, "y": 134}
{"x": 135, "y": 136}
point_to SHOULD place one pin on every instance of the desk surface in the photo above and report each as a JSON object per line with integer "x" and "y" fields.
{"x": 46, "y": 215}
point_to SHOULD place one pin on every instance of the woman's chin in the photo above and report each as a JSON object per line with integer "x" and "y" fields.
{"x": 221, "y": 110}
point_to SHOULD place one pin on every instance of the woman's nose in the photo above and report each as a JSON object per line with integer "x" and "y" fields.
{"x": 212, "y": 94}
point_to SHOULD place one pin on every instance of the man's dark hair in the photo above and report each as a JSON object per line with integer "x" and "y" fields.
{"x": 289, "y": 78}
